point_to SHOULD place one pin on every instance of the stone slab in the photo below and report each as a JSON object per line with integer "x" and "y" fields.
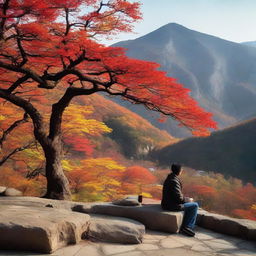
{"x": 12, "y": 192}
{"x": 242, "y": 228}
{"x": 40, "y": 229}
{"x": 115, "y": 230}
{"x": 152, "y": 216}
{"x": 2, "y": 189}
{"x": 245, "y": 229}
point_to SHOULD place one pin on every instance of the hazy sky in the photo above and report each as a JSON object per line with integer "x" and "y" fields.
{"x": 233, "y": 20}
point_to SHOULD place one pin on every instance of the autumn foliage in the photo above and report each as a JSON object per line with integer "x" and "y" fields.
{"x": 48, "y": 56}
{"x": 215, "y": 193}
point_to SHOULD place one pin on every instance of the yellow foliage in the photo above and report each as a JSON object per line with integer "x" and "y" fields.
{"x": 75, "y": 121}
{"x": 253, "y": 207}
{"x": 34, "y": 154}
{"x": 105, "y": 163}
{"x": 67, "y": 166}
{"x": 145, "y": 194}
{"x": 102, "y": 182}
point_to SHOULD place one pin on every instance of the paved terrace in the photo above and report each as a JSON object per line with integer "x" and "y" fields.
{"x": 205, "y": 243}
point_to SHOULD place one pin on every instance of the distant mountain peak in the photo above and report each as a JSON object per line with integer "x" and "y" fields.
{"x": 173, "y": 24}
{"x": 220, "y": 74}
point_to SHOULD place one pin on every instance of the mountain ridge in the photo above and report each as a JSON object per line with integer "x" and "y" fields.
{"x": 230, "y": 151}
{"x": 219, "y": 73}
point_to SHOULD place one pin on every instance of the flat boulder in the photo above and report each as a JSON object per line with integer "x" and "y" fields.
{"x": 115, "y": 230}
{"x": 40, "y": 229}
{"x": 242, "y": 228}
{"x": 152, "y": 216}
{"x": 127, "y": 202}
{"x": 2, "y": 189}
{"x": 31, "y": 201}
{"x": 12, "y": 192}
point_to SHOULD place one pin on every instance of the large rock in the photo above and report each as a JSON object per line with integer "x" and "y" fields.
{"x": 127, "y": 202}
{"x": 37, "y": 202}
{"x": 152, "y": 216}
{"x": 12, "y": 192}
{"x": 115, "y": 230}
{"x": 40, "y": 229}
{"x": 231, "y": 226}
{"x": 2, "y": 189}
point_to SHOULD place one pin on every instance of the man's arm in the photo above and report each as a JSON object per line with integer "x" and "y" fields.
{"x": 177, "y": 193}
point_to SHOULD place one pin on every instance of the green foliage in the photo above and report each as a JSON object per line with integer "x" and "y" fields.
{"x": 134, "y": 140}
{"x": 127, "y": 138}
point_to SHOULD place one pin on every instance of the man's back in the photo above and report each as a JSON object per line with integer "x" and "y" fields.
{"x": 172, "y": 198}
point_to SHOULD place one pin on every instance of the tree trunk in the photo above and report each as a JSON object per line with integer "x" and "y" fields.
{"x": 57, "y": 183}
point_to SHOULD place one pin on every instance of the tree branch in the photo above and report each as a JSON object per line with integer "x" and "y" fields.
{"x": 5, "y": 158}
{"x": 59, "y": 108}
{"x": 21, "y": 49}
{"x": 147, "y": 104}
{"x": 30, "y": 73}
{"x": 67, "y": 21}
{"x": 12, "y": 127}
{"x": 17, "y": 83}
{"x": 3, "y": 19}
{"x": 36, "y": 117}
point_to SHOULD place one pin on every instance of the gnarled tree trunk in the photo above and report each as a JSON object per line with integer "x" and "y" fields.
{"x": 57, "y": 183}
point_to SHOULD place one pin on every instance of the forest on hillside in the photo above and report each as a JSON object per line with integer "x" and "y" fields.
{"x": 104, "y": 164}
{"x": 61, "y": 139}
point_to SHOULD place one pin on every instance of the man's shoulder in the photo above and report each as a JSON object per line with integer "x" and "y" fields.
{"x": 172, "y": 179}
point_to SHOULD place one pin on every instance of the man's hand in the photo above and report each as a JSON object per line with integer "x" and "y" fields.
{"x": 188, "y": 199}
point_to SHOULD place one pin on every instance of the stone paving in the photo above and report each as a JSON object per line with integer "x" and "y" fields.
{"x": 205, "y": 243}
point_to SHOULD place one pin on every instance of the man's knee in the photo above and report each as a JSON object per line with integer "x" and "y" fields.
{"x": 196, "y": 205}
{"x": 191, "y": 205}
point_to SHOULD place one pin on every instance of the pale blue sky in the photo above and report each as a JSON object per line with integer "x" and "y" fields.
{"x": 233, "y": 20}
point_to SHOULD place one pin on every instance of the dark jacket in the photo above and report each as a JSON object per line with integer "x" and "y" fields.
{"x": 172, "y": 198}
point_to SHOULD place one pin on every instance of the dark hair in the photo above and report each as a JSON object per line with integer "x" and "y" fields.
{"x": 176, "y": 168}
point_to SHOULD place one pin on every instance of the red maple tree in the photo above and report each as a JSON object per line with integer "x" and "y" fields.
{"x": 48, "y": 44}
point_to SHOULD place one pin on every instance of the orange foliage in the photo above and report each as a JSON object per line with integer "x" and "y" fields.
{"x": 48, "y": 56}
{"x": 136, "y": 179}
{"x": 217, "y": 194}
{"x": 13, "y": 179}
{"x": 245, "y": 214}
{"x": 203, "y": 190}
{"x": 52, "y": 51}
{"x": 138, "y": 174}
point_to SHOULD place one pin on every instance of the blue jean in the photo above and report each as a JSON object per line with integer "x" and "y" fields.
{"x": 190, "y": 213}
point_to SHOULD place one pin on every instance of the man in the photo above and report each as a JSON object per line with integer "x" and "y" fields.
{"x": 173, "y": 200}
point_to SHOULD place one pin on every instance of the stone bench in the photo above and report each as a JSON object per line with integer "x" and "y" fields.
{"x": 152, "y": 216}
{"x": 242, "y": 228}
{"x": 41, "y": 225}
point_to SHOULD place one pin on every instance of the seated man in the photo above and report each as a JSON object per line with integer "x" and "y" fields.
{"x": 173, "y": 200}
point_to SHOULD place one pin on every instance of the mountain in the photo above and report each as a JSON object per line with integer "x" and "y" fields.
{"x": 221, "y": 74}
{"x": 231, "y": 152}
{"x": 251, "y": 43}
{"x": 132, "y": 135}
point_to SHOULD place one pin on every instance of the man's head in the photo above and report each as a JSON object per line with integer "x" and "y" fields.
{"x": 176, "y": 169}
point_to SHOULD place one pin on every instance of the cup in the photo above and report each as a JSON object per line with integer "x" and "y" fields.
{"x": 140, "y": 197}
